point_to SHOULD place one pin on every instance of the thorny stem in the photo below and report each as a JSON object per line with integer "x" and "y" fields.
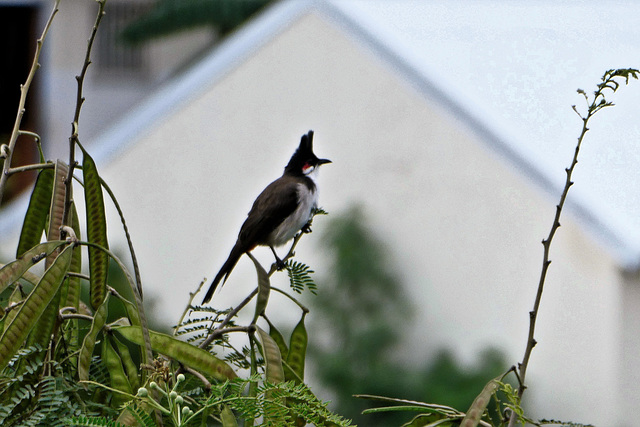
{"x": 598, "y": 103}
{"x": 73, "y": 140}
{"x": 24, "y": 89}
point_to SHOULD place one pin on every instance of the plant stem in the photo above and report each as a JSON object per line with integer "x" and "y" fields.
{"x": 220, "y": 329}
{"x": 25, "y": 168}
{"x": 598, "y": 103}
{"x": 73, "y": 140}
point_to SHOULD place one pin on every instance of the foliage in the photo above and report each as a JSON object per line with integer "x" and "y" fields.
{"x": 75, "y": 350}
{"x": 300, "y": 277}
{"x": 364, "y": 306}
{"x": 65, "y": 360}
{"x": 478, "y": 413}
{"x": 609, "y": 82}
{"x": 172, "y": 16}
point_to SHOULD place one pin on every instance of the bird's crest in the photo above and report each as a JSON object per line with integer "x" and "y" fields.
{"x": 303, "y": 160}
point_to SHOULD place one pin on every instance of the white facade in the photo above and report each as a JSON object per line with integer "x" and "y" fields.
{"x": 462, "y": 211}
{"x": 109, "y": 91}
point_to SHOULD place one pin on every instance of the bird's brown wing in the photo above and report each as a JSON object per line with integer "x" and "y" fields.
{"x": 273, "y": 205}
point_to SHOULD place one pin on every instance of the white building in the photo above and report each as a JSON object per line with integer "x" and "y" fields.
{"x": 461, "y": 206}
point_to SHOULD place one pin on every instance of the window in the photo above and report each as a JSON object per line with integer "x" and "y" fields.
{"x": 113, "y": 54}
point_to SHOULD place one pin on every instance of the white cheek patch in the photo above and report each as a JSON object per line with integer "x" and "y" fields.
{"x": 307, "y": 169}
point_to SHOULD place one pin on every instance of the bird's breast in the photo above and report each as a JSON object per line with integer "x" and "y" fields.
{"x": 307, "y": 202}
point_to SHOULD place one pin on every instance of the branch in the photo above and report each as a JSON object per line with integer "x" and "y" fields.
{"x": 599, "y": 102}
{"x": 75, "y": 316}
{"x": 198, "y": 375}
{"x": 25, "y": 168}
{"x": 192, "y": 296}
{"x": 221, "y": 327}
{"x": 24, "y": 89}
{"x": 73, "y": 140}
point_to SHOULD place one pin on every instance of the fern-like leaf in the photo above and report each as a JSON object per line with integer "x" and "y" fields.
{"x": 300, "y": 277}
{"x": 93, "y": 422}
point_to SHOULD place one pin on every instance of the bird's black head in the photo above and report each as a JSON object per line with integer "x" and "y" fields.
{"x": 303, "y": 161}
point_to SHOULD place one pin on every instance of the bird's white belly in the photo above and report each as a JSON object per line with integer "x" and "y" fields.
{"x": 308, "y": 200}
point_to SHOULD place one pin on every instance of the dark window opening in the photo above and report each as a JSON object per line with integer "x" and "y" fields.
{"x": 17, "y": 47}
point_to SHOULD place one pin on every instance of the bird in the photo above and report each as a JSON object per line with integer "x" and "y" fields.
{"x": 284, "y": 208}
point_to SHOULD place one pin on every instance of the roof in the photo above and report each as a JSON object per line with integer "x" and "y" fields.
{"x": 251, "y": 37}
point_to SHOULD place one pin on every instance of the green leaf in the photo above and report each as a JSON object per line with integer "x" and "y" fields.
{"x": 37, "y": 212}
{"x": 136, "y": 415}
{"x": 41, "y": 333}
{"x": 132, "y": 312}
{"x": 272, "y": 358}
{"x": 279, "y": 339}
{"x": 185, "y": 353}
{"x": 430, "y": 420}
{"x": 33, "y": 306}
{"x": 96, "y": 230}
{"x": 227, "y": 417}
{"x": 264, "y": 288}
{"x": 472, "y": 418}
{"x": 119, "y": 381}
{"x": 70, "y": 291}
{"x": 300, "y": 277}
{"x": 297, "y": 352}
{"x": 129, "y": 365}
{"x": 89, "y": 342}
{"x": 15, "y": 297}
{"x": 72, "y": 296}
{"x": 15, "y": 269}
{"x": 56, "y": 210}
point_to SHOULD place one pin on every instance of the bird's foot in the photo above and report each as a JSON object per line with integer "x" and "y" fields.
{"x": 280, "y": 264}
{"x": 306, "y": 228}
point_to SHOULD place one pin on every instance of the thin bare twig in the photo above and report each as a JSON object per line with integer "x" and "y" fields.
{"x": 31, "y": 167}
{"x": 189, "y": 306}
{"x": 73, "y": 140}
{"x": 599, "y": 102}
{"x": 198, "y": 375}
{"x": 75, "y": 316}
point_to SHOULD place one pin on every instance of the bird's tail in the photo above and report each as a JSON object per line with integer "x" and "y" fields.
{"x": 224, "y": 272}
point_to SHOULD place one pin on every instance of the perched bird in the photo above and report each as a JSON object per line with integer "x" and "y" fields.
{"x": 282, "y": 209}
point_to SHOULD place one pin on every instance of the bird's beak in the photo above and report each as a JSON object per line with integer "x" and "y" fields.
{"x": 323, "y": 161}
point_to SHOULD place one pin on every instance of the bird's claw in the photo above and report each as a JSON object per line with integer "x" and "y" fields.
{"x": 306, "y": 228}
{"x": 280, "y": 265}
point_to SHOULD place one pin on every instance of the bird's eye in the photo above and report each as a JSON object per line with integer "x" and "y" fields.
{"x": 307, "y": 168}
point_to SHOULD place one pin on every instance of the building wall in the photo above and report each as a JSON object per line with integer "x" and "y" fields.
{"x": 464, "y": 227}
{"x": 109, "y": 92}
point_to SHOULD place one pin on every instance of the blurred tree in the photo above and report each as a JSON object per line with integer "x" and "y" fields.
{"x": 360, "y": 313}
{"x": 172, "y": 16}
